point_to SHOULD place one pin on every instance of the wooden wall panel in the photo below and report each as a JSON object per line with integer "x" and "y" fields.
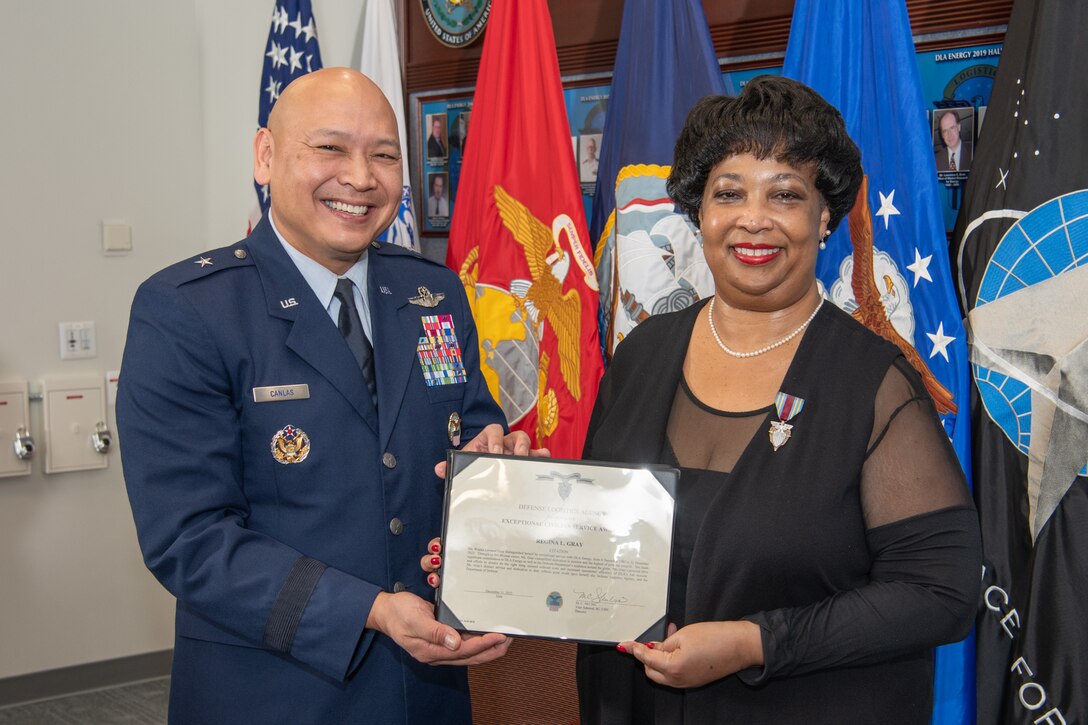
{"x": 586, "y": 33}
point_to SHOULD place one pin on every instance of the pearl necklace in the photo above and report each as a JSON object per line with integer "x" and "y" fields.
{"x": 765, "y": 348}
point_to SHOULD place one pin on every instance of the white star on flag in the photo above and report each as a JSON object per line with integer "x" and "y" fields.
{"x": 940, "y": 342}
{"x": 887, "y": 209}
{"x": 273, "y": 90}
{"x": 310, "y": 31}
{"x": 296, "y": 25}
{"x": 278, "y": 55}
{"x": 920, "y": 267}
{"x": 279, "y": 19}
{"x": 296, "y": 60}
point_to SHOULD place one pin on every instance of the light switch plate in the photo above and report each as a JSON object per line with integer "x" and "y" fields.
{"x": 77, "y": 340}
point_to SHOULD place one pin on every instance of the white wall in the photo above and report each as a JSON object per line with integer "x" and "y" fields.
{"x": 122, "y": 109}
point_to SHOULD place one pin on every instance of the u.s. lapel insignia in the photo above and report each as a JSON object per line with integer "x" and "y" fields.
{"x": 453, "y": 429}
{"x": 426, "y": 298}
{"x": 290, "y": 445}
{"x": 788, "y": 406}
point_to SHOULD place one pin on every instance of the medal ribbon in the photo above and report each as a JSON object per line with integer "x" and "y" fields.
{"x": 788, "y": 406}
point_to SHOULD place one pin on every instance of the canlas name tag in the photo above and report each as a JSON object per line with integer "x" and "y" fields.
{"x": 279, "y": 393}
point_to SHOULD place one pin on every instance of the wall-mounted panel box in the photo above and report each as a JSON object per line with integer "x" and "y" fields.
{"x": 76, "y": 434}
{"x": 16, "y": 445}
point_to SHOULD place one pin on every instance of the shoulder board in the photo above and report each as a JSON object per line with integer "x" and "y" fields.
{"x": 208, "y": 263}
{"x": 392, "y": 250}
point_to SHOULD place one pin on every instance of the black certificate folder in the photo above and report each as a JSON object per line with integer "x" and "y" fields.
{"x": 556, "y": 549}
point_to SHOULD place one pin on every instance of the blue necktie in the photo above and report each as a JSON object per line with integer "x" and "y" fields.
{"x": 351, "y": 327}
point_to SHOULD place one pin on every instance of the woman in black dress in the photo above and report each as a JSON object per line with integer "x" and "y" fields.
{"x": 825, "y": 538}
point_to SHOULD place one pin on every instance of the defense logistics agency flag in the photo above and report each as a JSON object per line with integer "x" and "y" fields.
{"x": 648, "y": 256}
{"x": 1022, "y": 245}
{"x": 518, "y": 236}
{"x": 380, "y": 62}
{"x": 291, "y": 52}
{"x": 859, "y": 55}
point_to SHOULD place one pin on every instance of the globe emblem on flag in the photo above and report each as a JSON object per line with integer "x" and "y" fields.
{"x": 509, "y": 350}
{"x": 1048, "y": 242}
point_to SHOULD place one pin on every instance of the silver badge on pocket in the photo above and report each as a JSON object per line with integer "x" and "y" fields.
{"x": 453, "y": 428}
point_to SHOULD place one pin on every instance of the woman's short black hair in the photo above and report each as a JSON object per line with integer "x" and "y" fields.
{"x": 773, "y": 117}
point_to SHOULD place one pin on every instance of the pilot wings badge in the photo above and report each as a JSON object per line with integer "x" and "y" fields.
{"x": 426, "y": 298}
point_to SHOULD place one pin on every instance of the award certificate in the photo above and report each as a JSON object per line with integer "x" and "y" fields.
{"x": 559, "y": 549}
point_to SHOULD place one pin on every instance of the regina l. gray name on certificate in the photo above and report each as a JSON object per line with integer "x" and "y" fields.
{"x": 556, "y": 549}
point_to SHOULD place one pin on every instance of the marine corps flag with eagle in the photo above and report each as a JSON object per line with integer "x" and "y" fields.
{"x": 518, "y": 237}
{"x": 889, "y": 265}
{"x": 1021, "y": 243}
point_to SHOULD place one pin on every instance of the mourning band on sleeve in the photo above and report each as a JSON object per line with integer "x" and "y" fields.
{"x": 279, "y": 633}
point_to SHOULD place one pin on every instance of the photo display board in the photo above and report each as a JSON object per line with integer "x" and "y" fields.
{"x": 956, "y": 86}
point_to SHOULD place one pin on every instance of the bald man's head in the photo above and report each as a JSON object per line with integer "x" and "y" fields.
{"x": 332, "y": 159}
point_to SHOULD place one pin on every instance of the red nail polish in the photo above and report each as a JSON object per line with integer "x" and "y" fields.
{"x": 621, "y": 648}
{"x": 430, "y": 579}
{"x": 650, "y": 645}
{"x": 434, "y": 548}
{"x": 435, "y": 561}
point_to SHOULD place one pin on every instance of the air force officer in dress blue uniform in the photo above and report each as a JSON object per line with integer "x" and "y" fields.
{"x": 275, "y": 495}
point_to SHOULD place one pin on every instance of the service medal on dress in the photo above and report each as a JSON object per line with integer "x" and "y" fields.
{"x": 787, "y": 406}
{"x": 290, "y": 445}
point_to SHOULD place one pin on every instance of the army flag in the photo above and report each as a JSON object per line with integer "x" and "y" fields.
{"x": 649, "y": 257}
{"x": 518, "y": 236}
{"x": 379, "y": 61}
{"x": 291, "y": 52}
{"x": 859, "y": 55}
{"x": 1021, "y": 246}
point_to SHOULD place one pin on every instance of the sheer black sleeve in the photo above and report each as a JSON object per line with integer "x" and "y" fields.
{"x": 923, "y": 537}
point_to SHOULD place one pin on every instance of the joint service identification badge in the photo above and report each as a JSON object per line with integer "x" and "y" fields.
{"x": 290, "y": 445}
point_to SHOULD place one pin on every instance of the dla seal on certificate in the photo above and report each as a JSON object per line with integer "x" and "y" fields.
{"x": 540, "y": 547}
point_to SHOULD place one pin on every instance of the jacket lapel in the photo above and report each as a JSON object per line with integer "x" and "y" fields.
{"x": 313, "y": 336}
{"x": 396, "y": 329}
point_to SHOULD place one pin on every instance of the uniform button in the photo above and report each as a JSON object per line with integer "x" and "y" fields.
{"x": 396, "y": 526}
{"x": 240, "y": 253}
{"x": 399, "y": 587}
{"x": 389, "y": 460}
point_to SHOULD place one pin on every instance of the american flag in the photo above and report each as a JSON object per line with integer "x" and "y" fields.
{"x": 291, "y": 52}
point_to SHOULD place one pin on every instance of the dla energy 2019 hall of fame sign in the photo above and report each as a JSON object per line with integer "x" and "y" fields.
{"x": 456, "y": 23}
